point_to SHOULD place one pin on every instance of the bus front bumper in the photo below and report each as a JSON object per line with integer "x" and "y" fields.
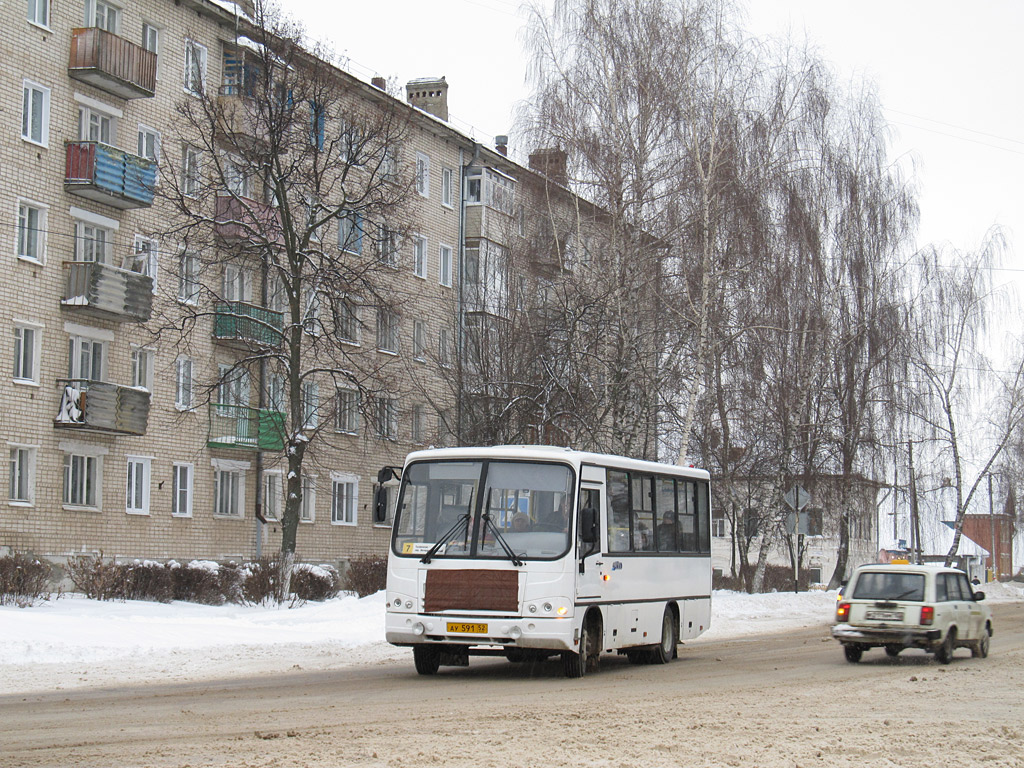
{"x": 551, "y": 634}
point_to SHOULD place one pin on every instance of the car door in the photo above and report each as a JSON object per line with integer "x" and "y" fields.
{"x": 972, "y": 611}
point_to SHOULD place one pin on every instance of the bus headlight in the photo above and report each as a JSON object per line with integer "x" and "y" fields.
{"x": 533, "y": 608}
{"x": 547, "y": 607}
{"x": 515, "y": 633}
{"x": 417, "y": 628}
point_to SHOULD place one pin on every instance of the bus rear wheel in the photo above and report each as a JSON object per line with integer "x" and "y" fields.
{"x": 427, "y": 659}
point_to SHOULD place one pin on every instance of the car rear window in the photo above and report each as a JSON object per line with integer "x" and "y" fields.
{"x": 872, "y": 585}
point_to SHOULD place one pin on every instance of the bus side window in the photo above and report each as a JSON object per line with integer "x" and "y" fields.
{"x": 618, "y": 517}
{"x": 643, "y": 512}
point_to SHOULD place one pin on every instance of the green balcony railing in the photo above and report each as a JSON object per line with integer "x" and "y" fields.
{"x": 248, "y": 323}
{"x": 252, "y": 429}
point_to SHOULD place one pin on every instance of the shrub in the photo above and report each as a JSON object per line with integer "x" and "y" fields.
{"x": 315, "y": 582}
{"x": 197, "y": 582}
{"x": 24, "y": 580}
{"x": 777, "y": 578}
{"x": 366, "y": 575}
{"x": 96, "y": 578}
{"x": 146, "y": 580}
{"x": 260, "y": 582}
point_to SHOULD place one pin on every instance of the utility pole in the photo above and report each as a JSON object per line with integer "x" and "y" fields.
{"x": 993, "y": 560}
{"x": 915, "y": 520}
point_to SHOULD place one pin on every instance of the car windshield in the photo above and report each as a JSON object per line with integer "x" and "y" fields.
{"x": 494, "y": 509}
{"x": 878, "y": 585}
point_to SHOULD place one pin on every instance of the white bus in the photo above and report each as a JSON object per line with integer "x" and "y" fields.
{"x": 530, "y": 551}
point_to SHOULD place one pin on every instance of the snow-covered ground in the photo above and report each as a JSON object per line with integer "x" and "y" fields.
{"x": 73, "y": 641}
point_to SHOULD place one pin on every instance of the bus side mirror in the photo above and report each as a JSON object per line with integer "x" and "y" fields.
{"x": 380, "y": 504}
{"x": 588, "y": 525}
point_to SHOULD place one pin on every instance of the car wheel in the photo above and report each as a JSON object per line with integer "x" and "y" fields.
{"x": 664, "y": 651}
{"x": 892, "y": 651}
{"x": 853, "y": 653}
{"x": 427, "y": 659}
{"x": 944, "y": 653}
{"x": 575, "y": 664}
{"x": 980, "y": 649}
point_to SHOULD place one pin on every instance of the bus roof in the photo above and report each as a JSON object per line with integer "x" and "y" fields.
{"x": 553, "y": 453}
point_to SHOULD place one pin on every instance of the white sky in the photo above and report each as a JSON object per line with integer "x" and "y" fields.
{"x": 948, "y": 73}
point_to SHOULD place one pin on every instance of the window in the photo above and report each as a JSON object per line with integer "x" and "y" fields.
{"x": 317, "y": 116}
{"x": 181, "y": 489}
{"x": 190, "y": 171}
{"x": 183, "y": 383}
{"x": 27, "y": 346}
{"x": 275, "y": 391}
{"x": 444, "y": 270}
{"x": 151, "y": 38}
{"x": 22, "y": 478}
{"x": 718, "y": 525}
{"x": 93, "y": 242}
{"x": 236, "y": 178}
{"x": 188, "y": 278}
{"x": 232, "y": 386}
{"x": 236, "y": 283}
{"x": 307, "y": 509}
{"x": 388, "y": 247}
{"x": 310, "y": 405}
{"x": 350, "y": 232}
{"x": 137, "y": 492}
{"x": 347, "y": 414}
{"x": 103, "y": 15}
{"x": 419, "y": 255}
{"x": 85, "y": 358}
{"x": 311, "y": 317}
{"x": 350, "y": 144}
{"x": 228, "y": 491}
{"x": 389, "y": 165}
{"x": 96, "y": 125}
{"x": 39, "y": 12}
{"x": 142, "y": 368}
{"x": 419, "y": 340}
{"x": 473, "y": 186}
{"x": 347, "y": 323}
{"x": 31, "y": 231}
{"x": 35, "y": 113}
{"x": 272, "y": 495}
{"x": 422, "y": 175}
{"x": 444, "y": 347}
{"x": 386, "y": 418}
{"x": 143, "y": 259}
{"x": 344, "y": 496}
{"x": 419, "y": 424}
{"x": 81, "y": 479}
{"x": 195, "y": 67}
{"x": 387, "y": 331}
{"x": 446, "y": 187}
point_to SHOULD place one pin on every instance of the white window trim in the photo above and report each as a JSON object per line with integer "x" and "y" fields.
{"x": 177, "y": 403}
{"x": 45, "y": 120}
{"x": 97, "y": 334}
{"x": 33, "y": 454}
{"x": 49, "y": 13}
{"x": 151, "y": 353}
{"x": 422, "y": 157}
{"x": 279, "y": 474}
{"x": 36, "y": 352}
{"x": 193, "y": 299}
{"x": 451, "y": 187}
{"x": 98, "y": 106}
{"x": 204, "y": 72}
{"x": 421, "y": 270}
{"x": 311, "y": 480}
{"x": 95, "y": 219}
{"x": 147, "y": 476}
{"x": 338, "y": 429}
{"x": 346, "y": 477}
{"x": 153, "y": 255}
{"x": 44, "y": 214}
{"x": 191, "y": 488}
{"x": 230, "y": 465}
{"x": 143, "y": 128}
{"x": 451, "y": 265}
{"x": 78, "y": 448}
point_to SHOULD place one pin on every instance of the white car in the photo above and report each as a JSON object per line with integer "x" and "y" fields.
{"x": 912, "y": 606}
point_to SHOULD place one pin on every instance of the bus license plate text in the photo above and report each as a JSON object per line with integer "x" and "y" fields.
{"x": 467, "y": 629}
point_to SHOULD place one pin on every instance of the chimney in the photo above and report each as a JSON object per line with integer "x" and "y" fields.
{"x": 429, "y": 94}
{"x": 552, "y": 163}
{"x": 501, "y": 144}
{"x": 379, "y": 82}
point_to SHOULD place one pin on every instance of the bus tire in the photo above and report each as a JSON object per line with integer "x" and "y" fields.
{"x": 427, "y": 659}
{"x": 664, "y": 652}
{"x": 575, "y": 664}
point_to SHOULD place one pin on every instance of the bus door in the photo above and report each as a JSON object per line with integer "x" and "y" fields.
{"x": 590, "y": 584}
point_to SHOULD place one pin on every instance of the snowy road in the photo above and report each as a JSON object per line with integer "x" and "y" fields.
{"x": 770, "y": 701}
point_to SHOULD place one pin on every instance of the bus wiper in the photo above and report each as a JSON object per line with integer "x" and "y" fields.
{"x": 462, "y": 522}
{"x": 501, "y": 540}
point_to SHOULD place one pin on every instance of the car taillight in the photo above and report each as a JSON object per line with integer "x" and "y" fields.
{"x": 843, "y": 612}
{"x": 927, "y": 615}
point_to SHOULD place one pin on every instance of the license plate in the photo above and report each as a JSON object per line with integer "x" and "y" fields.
{"x": 885, "y": 615}
{"x": 467, "y": 629}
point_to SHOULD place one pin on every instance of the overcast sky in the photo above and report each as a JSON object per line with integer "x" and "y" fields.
{"x": 948, "y": 73}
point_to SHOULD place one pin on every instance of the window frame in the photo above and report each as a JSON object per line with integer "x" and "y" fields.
{"x": 447, "y": 178}
{"x": 137, "y": 354}
{"x": 388, "y": 323}
{"x": 189, "y": 266}
{"x": 42, "y": 213}
{"x": 22, "y": 470}
{"x": 445, "y": 265}
{"x": 139, "y": 471}
{"x": 35, "y": 349}
{"x": 307, "y": 507}
{"x": 236, "y": 471}
{"x": 351, "y": 499}
{"x": 181, "y": 364}
{"x": 419, "y": 341}
{"x": 93, "y": 468}
{"x": 28, "y": 109}
{"x": 346, "y": 412}
{"x": 423, "y": 175}
{"x": 277, "y": 476}
{"x": 192, "y": 48}
{"x": 176, "y": 490}
{"x": 34, "y": 19}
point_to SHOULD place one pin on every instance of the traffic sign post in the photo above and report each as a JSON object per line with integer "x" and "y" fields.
{"x": 797, "y": 498}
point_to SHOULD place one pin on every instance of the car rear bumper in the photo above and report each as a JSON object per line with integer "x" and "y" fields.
{"x": 908, "y": 638}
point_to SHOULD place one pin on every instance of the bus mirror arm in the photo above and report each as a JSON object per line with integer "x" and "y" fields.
{"x": 588, "y": 525}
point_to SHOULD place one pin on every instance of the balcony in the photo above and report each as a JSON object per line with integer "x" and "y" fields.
{"x": 109, "y": 62}
{"x": 251, "y": 429}
{"x": 96, "y": 406}
{"x": 247, "y": 324}
{"x": 240, "y": 219}
{"x": 107, "y": 291}
{"x": 109, "y": 175}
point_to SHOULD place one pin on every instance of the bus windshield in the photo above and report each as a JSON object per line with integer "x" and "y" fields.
{"x": 484, "y": 509}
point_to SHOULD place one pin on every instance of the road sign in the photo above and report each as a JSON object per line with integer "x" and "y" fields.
{"x": 797, "y": 498}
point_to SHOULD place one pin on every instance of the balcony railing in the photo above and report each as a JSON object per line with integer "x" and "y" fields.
{"x": 242, "y": 219}
{"x": 109, "y": 175}
{"x": 107, "y": 61}
{"x": 247, "y": 323}
{"x": 252, "y": 429}
{"x": 116, "y": 293}
{"x": 98, "y": 406}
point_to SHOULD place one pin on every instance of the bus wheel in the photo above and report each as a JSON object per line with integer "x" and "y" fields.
{"x": 578, "y": 664}
{"x": 426, "y": 658}
{"x": 665, "y": 650}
